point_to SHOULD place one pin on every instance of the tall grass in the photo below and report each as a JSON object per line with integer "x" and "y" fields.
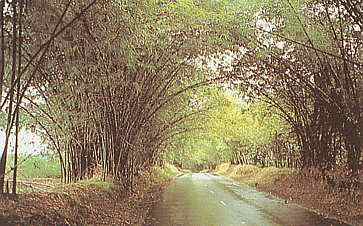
{"x": 36, "y": 166}
{"x": 252, "y": 175}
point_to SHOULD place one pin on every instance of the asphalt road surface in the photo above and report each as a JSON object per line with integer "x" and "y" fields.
{"x": 208, "y": 200}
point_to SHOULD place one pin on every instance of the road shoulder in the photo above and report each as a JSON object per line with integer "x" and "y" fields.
{"x": 296, "y": 188}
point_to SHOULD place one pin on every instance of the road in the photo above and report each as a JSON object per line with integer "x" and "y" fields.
{"x": 208, "y": 200}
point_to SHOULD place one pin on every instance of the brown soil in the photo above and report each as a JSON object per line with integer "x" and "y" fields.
{"x": 305, "y": 189}
{"x": 317, "y": 196}
{"x": 80, "y": 206}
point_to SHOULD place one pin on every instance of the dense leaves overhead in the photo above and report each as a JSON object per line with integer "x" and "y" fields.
{"x": 115, "y": 85}
{"x": 228, "y": 130}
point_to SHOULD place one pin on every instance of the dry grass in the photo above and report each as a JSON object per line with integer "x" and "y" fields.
{"x": 253, "y": 175}
{"x": 303, "y": 189}
{"x": 222, "y": 168}
{"x": 89, "y": 202}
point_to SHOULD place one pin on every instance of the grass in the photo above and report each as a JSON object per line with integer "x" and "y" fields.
{"x": 253, "y": 175}
{"x": 88, "y": 184}
{"x": 35, "y": 167}
{"x": 222, "y": 168}
{"x": 35, "y": 173}
{"x": 44, "y": 173}
{"x": 166, "y": 173}
{"x": 292, "y": 185}
{"x": 87, "y": 202}
{"x": 97, "y": 184}
{"x": 44, "y": 167}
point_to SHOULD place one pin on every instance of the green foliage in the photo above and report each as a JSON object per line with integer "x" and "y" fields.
{"x": 94, "y": 183}
{"x": 166, "y": 172}
{"x": 36, "y": 167}
{"x": 230, "y": 21}
{"x": 228, "y": 124}
{"x": 121, "y": 91}
{"x": 3, "y": 117}
{"x": 25, "y": 120}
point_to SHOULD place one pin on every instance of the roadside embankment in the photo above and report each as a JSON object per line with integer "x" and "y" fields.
{"x": 89, "y": 202}
{"x": 303, "y": 189}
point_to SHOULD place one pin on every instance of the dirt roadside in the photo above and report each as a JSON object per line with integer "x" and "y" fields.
{"x": 86, "y": 203}
{"x": 304, "y": 190}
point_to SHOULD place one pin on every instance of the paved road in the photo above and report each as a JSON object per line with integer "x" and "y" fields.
{"x": 208, "y": 200}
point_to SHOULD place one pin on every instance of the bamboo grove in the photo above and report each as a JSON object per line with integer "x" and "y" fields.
{"x": 318, "y": 91}
{"x": 305, "y": 62}
{"x": 19, "y": 64}
{"x": 103, "y": 84}
{"x": 116, "y": 96}
{"x": 107, "y": 82}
